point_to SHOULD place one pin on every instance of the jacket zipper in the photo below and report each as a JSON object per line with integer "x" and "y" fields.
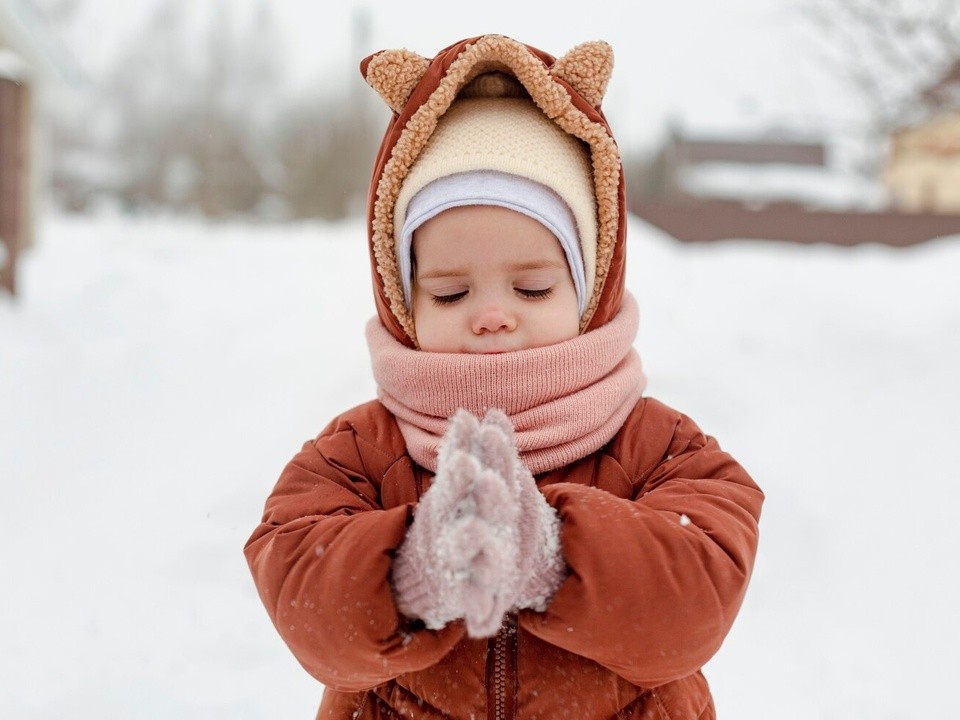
{"x": 502, "y": 671}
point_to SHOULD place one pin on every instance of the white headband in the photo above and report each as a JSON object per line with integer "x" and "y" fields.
{"x": 490, "y": 187}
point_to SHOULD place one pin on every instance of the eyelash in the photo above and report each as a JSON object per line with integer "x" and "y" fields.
{"x": 455, "y": 297}
{"x": 447, "y": 299}
{"x": 536, "y": 294}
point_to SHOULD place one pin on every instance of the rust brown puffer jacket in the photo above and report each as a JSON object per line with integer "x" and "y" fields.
{"x": 659, "y": 531}
{"x": 659, "y": 527}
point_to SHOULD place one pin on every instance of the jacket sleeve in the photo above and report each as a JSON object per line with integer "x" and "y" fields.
{"x": 321, "y": 560}
{"x": 657, "y": 577}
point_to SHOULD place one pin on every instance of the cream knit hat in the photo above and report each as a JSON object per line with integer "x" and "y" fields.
{"x": 509, "y": 135}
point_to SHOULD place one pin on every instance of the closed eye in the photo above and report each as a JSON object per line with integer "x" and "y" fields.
{"x": 448, "y": 299}
{"x": 535, "y": 294}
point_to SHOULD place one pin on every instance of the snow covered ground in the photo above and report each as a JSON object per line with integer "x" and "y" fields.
{"x": 156, "y": 375}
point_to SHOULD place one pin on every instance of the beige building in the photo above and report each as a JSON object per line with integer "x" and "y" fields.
{"x": 923, "y": 173}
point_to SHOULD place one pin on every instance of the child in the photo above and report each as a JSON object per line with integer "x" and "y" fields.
{"x": 511, "y": 530}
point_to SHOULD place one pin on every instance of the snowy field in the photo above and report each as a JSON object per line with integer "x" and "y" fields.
{"x": 156, "y": 375}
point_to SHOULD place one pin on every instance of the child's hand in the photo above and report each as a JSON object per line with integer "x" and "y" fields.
{"x": 459, "y": 559}
{"x": 484, "y": 540}
{"x": 541, "y": 566}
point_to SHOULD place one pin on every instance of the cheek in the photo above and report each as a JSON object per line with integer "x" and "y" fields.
{"x": 421, "y": 314}
{"x": 566, "y": 320}
{"x": 419, "y": 302}
{"x": 568, "y": 327}
{"x": 429, "y": 324}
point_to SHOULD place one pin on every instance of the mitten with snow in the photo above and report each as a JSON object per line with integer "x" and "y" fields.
{"x": 459, "y": 557}
{"x": 541, "y": 565}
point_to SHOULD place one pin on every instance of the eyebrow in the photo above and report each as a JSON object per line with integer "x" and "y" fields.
{"x": 515, "y": 267}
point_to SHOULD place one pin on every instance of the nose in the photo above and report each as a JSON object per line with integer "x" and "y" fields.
{"x": 493, "y": 318}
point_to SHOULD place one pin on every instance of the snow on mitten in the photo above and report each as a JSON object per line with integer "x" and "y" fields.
{"x": 541, "y": 556}
{"x": 541, "y": 566}
{"x": 489, "y": 589}
{"x": 425, "y": 571}
{"x": 461, "y": 542}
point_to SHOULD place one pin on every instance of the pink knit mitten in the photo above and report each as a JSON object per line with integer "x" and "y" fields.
{"x": 541, "y": 566}
{"x": 459, "y": 558}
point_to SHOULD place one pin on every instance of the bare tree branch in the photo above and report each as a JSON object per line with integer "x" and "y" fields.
{"x": 899, "y": 57}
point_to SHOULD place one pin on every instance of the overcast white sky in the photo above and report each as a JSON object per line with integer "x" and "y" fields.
{"x": 737, "y": 64}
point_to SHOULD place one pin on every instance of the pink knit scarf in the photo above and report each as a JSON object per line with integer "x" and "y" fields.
{"x": 565, "y": 400}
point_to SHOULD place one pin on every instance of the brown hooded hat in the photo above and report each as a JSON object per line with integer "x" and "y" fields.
{"x": 419, "y": 91}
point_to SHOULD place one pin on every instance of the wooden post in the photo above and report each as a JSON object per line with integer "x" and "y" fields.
{"x": 14, "y": 181}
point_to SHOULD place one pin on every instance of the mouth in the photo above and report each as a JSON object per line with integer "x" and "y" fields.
{"x": 489, "y": 349}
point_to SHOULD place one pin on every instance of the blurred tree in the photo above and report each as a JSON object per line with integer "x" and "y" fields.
{"x": 900, "y": 57}
{"x": 328, "y": 143}
{"x": 327, "y": 149}
{"x": 194, "y": 116}
{"x": 195, "y": 111}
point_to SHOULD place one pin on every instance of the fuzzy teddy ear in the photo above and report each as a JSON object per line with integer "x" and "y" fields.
{"x": 587, "y": 68}
{"x": 394, "y": 74}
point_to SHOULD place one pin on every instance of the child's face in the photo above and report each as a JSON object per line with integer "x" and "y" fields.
{"x": 488, "y": 279}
